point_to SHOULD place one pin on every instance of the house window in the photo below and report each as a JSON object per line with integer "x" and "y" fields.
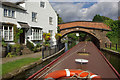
{"x": 5, "y": 12}
{"x": 34, "y": 16}
{"x": 7, "y": 33}
{"x": 50, "y": 20}
{"x": 36, "y": 34}
{"x": 9, "y": 13}
{"x": 51, "y": 32}
{"x": 42, "y": 4}
{"x": 13, "y": 14}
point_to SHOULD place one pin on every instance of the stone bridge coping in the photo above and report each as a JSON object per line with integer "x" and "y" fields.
{"x": 85, "y": 24}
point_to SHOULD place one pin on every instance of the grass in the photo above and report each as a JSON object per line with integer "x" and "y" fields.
{"x": 114, "y": 49}
{"x": 11, "y": 66}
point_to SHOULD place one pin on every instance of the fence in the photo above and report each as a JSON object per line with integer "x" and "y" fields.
{"x": 48, "y": 51}
{"x": 115, "y": 46}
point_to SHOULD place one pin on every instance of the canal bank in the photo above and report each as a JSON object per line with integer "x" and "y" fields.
{"x": 21, "y": 73}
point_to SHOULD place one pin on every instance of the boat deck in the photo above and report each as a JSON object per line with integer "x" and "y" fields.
{"x": 96, "y": 62}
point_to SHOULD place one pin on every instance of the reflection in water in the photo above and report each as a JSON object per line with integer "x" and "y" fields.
{"x": 114, "y": 59}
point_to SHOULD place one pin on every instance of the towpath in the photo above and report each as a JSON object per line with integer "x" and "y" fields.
{"x": 34, "y": 55}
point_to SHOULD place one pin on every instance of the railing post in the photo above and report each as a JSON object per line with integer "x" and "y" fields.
{"x": 42, "y": 52}
{"x": 49, "y": 51}
{"x": 55, "y": 48}
{"x": 105, "y": 45}
{"x": 116, "y": 46}
{"x": 110, "y": 45}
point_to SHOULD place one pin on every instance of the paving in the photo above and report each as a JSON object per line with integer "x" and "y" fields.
{"x": 33, "y": 55}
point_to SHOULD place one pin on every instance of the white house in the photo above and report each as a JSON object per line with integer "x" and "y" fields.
{"x": 34, "y": 18}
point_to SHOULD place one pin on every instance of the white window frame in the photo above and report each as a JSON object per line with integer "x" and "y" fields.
{"x": 42, "y": 4}
{"x": 51, "y": 32}
{"x": 36, "y": 34}
{"x": 34, "y": 17}
{"x": 9, "y": 13}
{"x": 7, "y": 35}
{"x": 51, "y": 20}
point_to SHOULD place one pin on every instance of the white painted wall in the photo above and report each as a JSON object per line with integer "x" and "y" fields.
{"x": 43, "y": 15}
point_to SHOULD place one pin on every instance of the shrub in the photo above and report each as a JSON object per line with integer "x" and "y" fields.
{"x": 16, "y": 49}
{"x": 10, "y": 55}
{"x": 3, "y": 43}
{"x": 30, "y": 45}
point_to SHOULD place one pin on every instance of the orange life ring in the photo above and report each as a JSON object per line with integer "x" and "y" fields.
{"x": 69, "y": 73}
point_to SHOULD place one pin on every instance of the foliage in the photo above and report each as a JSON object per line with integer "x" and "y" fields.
{"x": 3, "y": 43}
{"x": 17, "y": 33}
{"x": 11, "y": 66}
{"x": 47, "y": 38}
{"x": 10, "y": 55}
{"x": 38, "y": 45}
{"x": 16, "y": 49}
{"x": 57, "y": 36}
{"x": 98, "y": 18}
{"x": 73, "y": 36}
{"x": 59, "y": 19}
{"x": 114, "y": 34}
{"x": 30, "y": 45}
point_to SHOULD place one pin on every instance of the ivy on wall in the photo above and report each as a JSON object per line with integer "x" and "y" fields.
{"x": 17, "y": 33}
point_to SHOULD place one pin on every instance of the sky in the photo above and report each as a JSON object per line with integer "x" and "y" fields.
{"x": 84, "y": 10}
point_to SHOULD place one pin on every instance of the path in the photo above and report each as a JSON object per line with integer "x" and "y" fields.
{"x": 34, "y": 55}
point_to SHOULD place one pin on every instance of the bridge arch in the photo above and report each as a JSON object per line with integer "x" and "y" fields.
{"x": 96, "y": 30}
{"x": 94, "y": 39}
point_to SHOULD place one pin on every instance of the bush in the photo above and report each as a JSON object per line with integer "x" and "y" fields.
{"x": 16, "y": 49}
{"x": 3, "y": 43}
{"x": 30, "y": 45}
{"x": 10, "y": 55}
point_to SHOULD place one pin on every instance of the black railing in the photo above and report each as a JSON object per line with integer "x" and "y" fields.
{"x": 48, "y": 51}
{"x": 116, "y": 46}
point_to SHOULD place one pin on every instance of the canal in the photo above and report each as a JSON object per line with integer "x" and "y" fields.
{"x": 113, "y": 59}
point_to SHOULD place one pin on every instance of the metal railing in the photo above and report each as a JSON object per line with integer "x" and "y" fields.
{"x": 116, "y": 46}
{"x": 48, "y": 51}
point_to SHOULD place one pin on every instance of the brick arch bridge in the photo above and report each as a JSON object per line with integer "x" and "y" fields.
{"x": 96, "y": 29}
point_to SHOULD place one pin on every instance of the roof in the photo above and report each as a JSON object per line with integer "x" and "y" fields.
{"x": 24, "y": 25}
{"x": 13, "y": 5}
{"x": 85, "y": 24}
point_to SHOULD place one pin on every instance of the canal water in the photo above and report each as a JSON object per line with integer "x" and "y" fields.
{"x": 113, "y": 59}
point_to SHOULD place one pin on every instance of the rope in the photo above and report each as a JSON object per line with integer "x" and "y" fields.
{"x": 78, "y": 76}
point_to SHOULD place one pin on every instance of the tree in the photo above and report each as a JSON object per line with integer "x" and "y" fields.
{"x": 114, "y": 34}
{"x": 59, "y": 19}
{"x": 98, "y": 18}
{"x": 59, "y": 22}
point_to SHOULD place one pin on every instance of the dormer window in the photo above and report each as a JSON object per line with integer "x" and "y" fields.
{"x": 42, "y": 4}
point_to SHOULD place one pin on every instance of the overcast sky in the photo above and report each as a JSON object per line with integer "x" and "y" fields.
{"x": 76, "y": 10}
